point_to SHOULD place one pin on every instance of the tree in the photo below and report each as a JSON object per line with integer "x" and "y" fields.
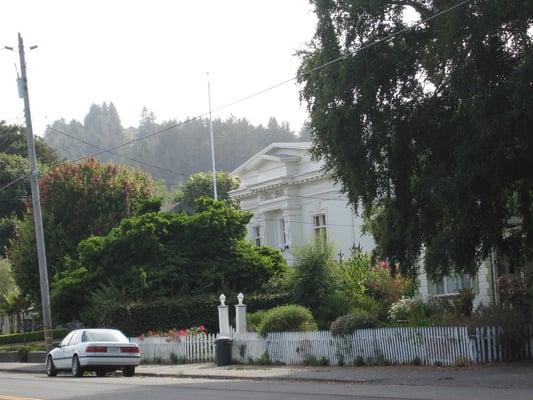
{"x": 7, "y": 283}
{"x": 200, "y": 185}
{"x": 78, "y": 200}
{"x": 182, "y": 149}
{"x": 103, "y": 127}
{"x": 66, "y": 146}
{"x": 14, "y": 197}
{"x": 13, "y": 141}
{"x": 164, "y": 255}
{"x": 429, "y": 131}
{"x": 313, "y": 280}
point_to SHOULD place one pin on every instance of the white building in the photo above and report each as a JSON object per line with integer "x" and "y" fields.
{"x": 293, "y": 200}
{"x": 483, "y": 285}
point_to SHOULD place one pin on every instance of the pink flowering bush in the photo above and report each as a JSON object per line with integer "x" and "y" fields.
{"x": 174, "y": 335}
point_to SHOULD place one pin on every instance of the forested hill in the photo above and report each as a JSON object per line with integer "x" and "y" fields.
{"x": 171, "y": 156}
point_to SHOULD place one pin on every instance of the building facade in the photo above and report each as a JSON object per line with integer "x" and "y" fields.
{"x": 293, "y": 201}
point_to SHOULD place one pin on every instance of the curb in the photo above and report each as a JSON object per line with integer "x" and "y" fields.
{"x": 219, "y": 377}
{"x": 256, "y": 378}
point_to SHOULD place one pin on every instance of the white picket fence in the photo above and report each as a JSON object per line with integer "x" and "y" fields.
{"x": 186, "y": 349}
{"x": 440, "y": 346}
{"x": 424, "y": 346}
{"x": 490, "y": 345}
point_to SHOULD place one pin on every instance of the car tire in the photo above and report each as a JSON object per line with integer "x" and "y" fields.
{"x": 50, "y": 367}
{"x": 76, "y": 367}
{"x": 100, "y": 372}
{"x": 128, "y": 371}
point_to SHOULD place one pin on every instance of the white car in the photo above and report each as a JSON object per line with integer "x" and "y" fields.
{"x": 98, "y": 350}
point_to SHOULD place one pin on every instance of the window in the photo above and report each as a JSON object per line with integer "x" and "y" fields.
{"x": 258, "y": 239}
{"x": 65, "y": 341}
{"x": 284, "y": 245}
{"x": 319, "y": 222}
{"x": 75, "y": 339}
{"x": 104, "y": 336}
{"x": 451, "y": 285}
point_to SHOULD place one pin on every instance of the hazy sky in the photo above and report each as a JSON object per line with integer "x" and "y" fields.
{"x": 156, "y": 54}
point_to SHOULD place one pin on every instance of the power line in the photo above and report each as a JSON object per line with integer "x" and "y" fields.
{"x": 117, "y": 154}
{"x": 12, "y": 182}
{"x": 316, "y": 198}
{"x": 304, "y": 223}
{"x": 255, "y": 94}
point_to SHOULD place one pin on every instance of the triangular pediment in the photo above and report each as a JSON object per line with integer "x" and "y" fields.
{"x": 276, "y": 153}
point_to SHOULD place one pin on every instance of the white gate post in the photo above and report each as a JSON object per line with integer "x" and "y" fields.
{"x": 223, "y": 317}
{"x": 240, "y": 315}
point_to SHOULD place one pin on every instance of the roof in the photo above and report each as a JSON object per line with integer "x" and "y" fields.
{"x": 264, "y": 154}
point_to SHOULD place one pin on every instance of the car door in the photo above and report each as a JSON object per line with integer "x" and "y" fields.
{"x": 71, "y": 348}
{"x": 60, "y": 353}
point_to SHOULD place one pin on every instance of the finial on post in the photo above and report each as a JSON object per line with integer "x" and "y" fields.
{"x": 222, "y": 299}
{"x": 240, "y": 297}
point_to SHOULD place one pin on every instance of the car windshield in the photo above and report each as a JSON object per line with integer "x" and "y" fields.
{"x": 104, "y": 336}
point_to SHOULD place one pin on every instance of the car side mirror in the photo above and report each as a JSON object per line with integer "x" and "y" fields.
{"x": 56, "y": 345}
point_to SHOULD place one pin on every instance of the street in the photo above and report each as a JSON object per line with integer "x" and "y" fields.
{"x": 35, "y": 386}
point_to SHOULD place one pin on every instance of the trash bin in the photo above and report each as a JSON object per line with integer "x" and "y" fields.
{"x": 222, "y": 351}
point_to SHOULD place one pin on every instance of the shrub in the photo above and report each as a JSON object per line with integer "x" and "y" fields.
{"x": 291, "y": 318}
{"x": 370, "y": 305}
{"x": 313, "y": 280}
{"x": 515, "y": 290}
{"x": 386, "y": 287}
{"x": 464, "y": 302}
{"x": 402, "y": 310}
{"x": 34, "y": 336}
{"x": 253, "y": 320}
{"x": 347, "y": 324}
{"x": 512, "y": 323}
{"x": 333, "y": 307}
{"x": 438, "y": 306}
{"x": 352, "y": 274}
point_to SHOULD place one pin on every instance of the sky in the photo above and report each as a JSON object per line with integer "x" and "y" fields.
{"x": 156, "y": 54}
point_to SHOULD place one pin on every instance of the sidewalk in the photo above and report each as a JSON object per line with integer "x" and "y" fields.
{"x": 501, "y": 376}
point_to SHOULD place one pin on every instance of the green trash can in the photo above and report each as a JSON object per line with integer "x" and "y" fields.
{"x": 222, "y": 351}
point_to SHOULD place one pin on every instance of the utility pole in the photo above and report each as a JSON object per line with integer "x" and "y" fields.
{"x": 212, "y": 141}
{"x": 36, "y": 201}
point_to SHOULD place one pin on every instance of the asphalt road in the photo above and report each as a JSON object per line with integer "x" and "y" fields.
{"x": 29, "y": 386}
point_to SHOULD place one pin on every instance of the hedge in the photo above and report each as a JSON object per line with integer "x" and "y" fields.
{"x": 163, "y": 314}
{"x": 33, "y": 336}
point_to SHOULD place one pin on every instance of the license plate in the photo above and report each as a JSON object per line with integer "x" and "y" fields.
{"x": 113, "y": 349}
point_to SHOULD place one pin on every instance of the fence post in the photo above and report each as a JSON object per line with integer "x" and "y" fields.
{"x": 223, "y": 317}
{"x": 240, "y": 315}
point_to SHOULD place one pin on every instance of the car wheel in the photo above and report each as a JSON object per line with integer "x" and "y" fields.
{"x": 100, "y": 372}
{"x": 128, "y": 371}
{"x": 50, "y": 367}
{"x": 76, "y": 368}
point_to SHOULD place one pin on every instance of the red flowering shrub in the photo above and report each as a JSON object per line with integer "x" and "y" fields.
{"x": 174, "y": 335}
{"x": 386, "y": 288}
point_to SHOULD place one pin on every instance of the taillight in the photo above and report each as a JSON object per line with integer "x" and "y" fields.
{"x": 96, "y": 349}
{"x": 129, "y": 349}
